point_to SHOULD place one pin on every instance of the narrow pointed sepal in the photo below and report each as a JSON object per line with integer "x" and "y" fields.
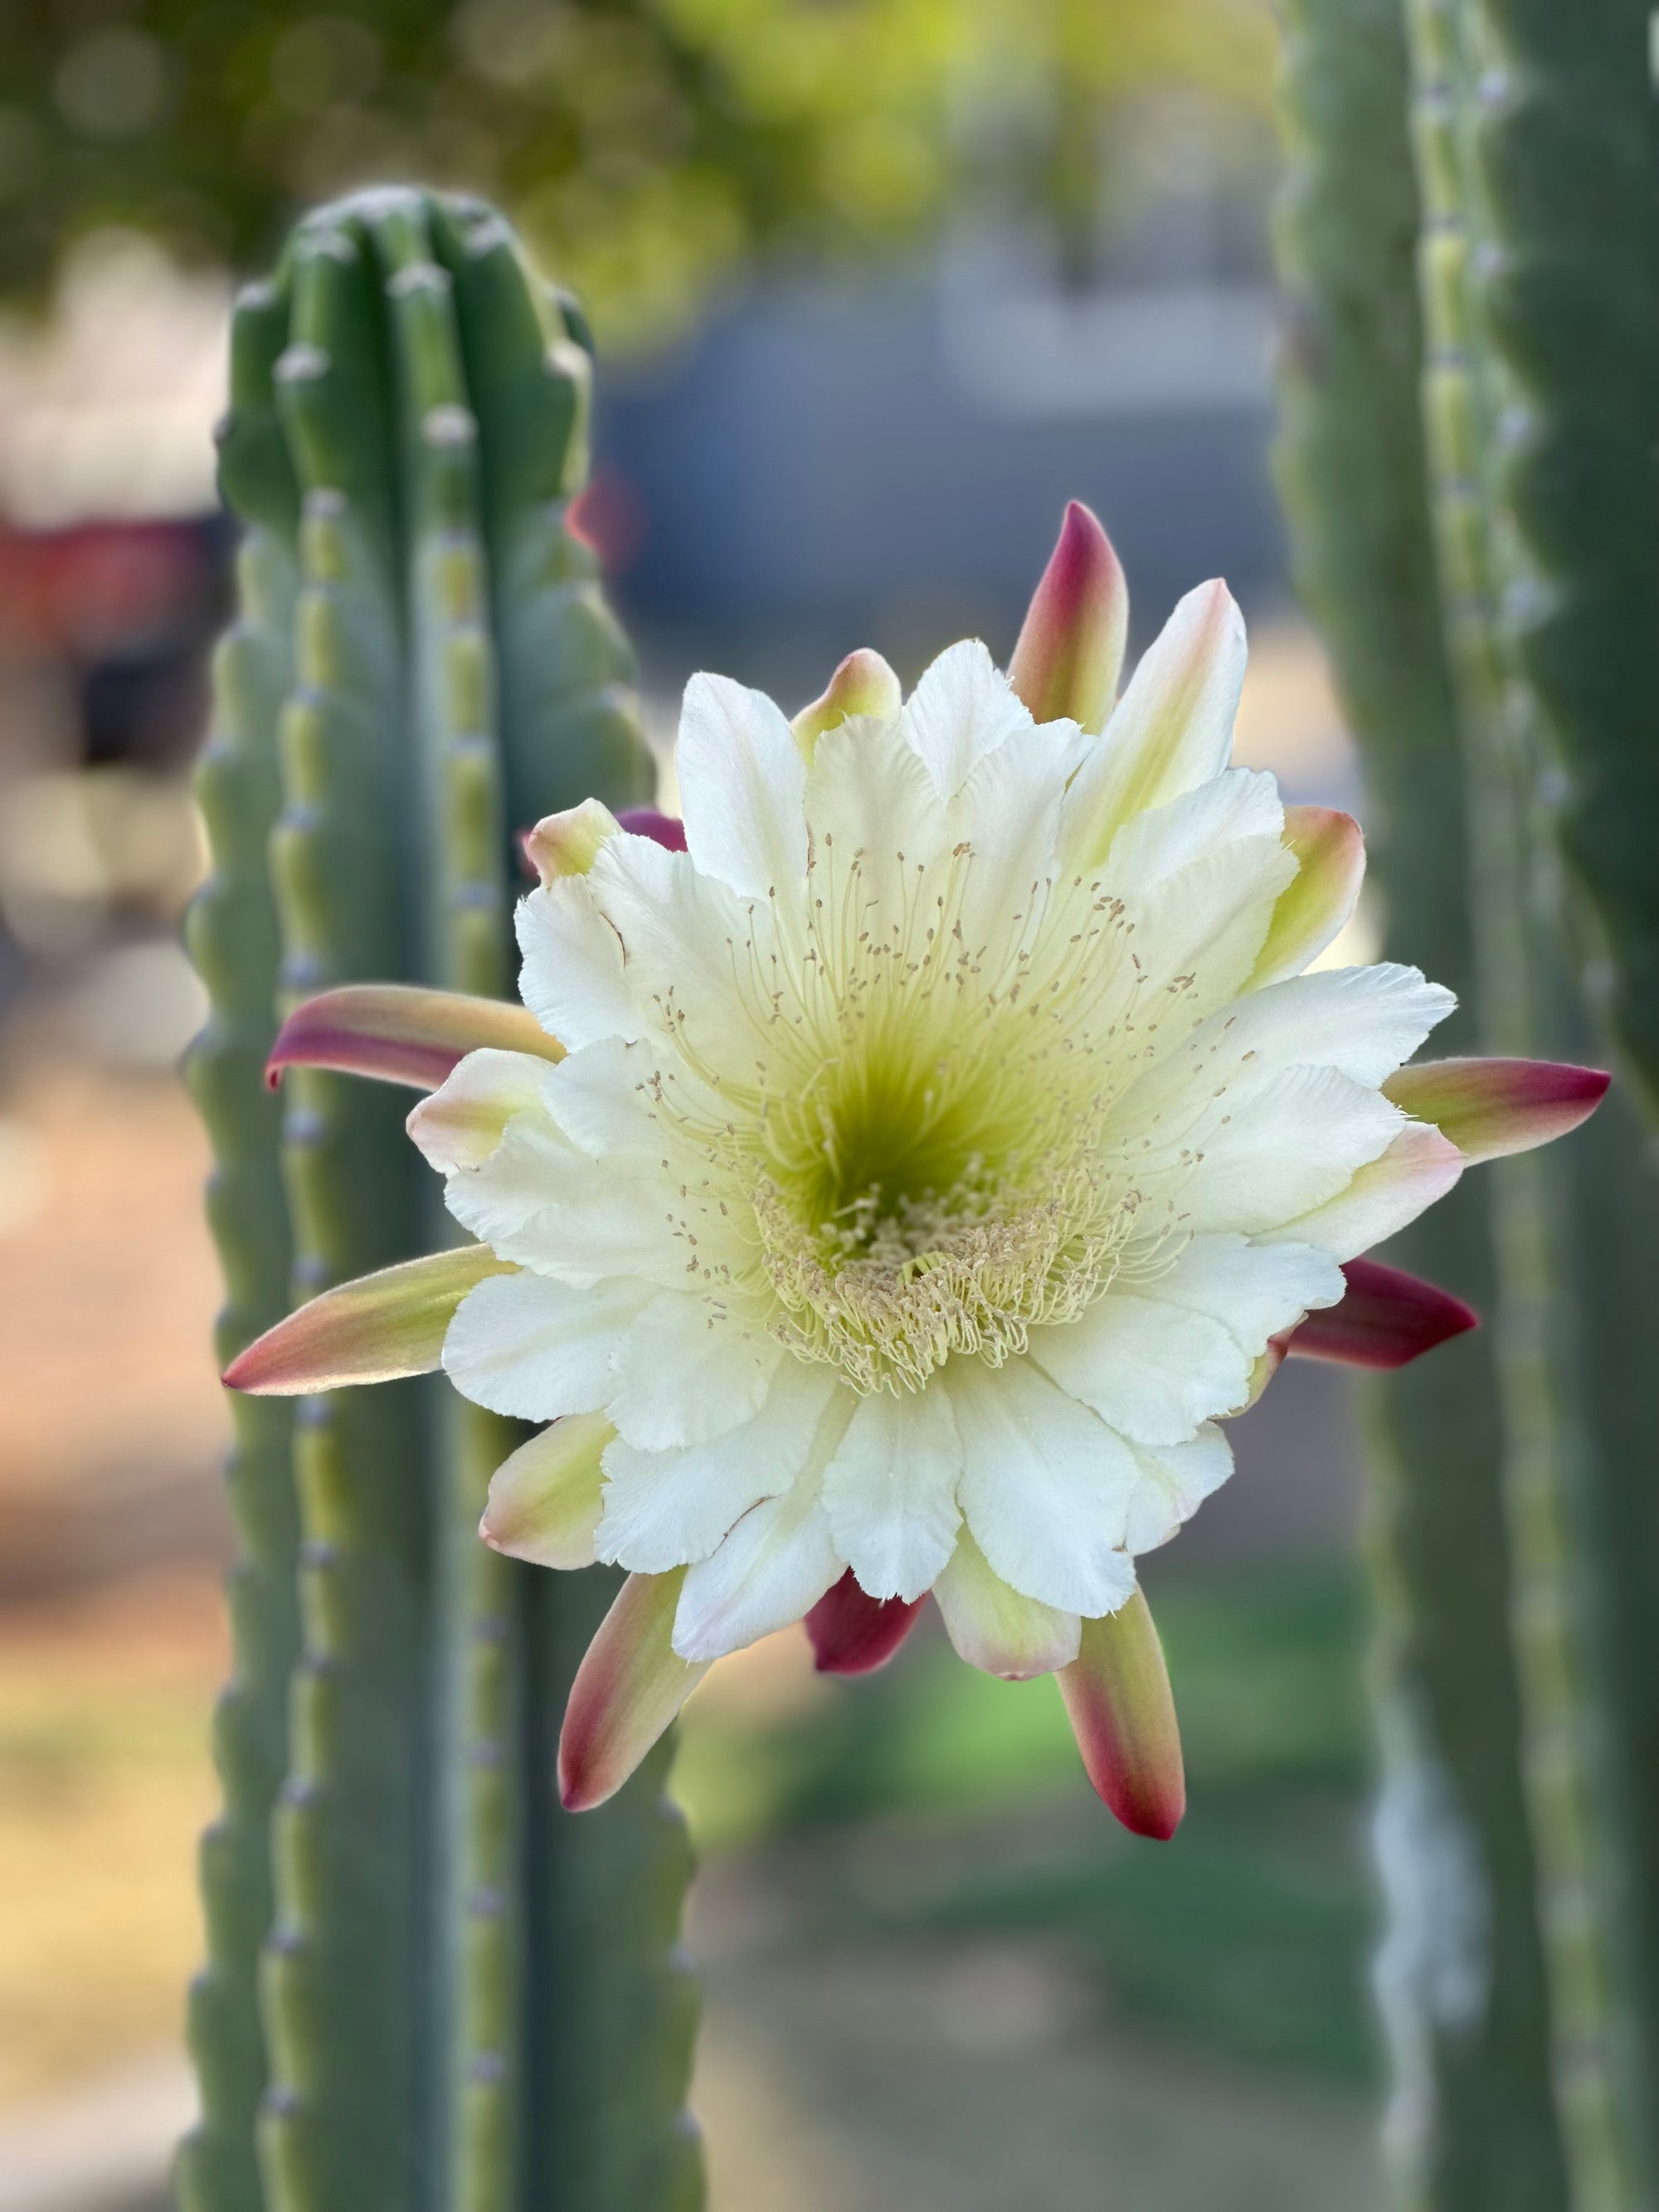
{"x": 398, "y": 1033}
{"x": 1387, "y": 1319}
{"x": 545, "y": 1499}
{"x": 1118, "y": 1700}
{"x": 1330, "y": 849}
{"x": 851, "y": 1634}
{"x": 1069, "y": 654}
{"x": 628, "y": 1690}
{"x": 863, "y": 685}
{"x": 377, "y": 1329}
{"x": 1490, "y": 1107}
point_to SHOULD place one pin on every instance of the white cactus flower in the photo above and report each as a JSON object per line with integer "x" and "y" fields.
{"x": 932, "y": 1152}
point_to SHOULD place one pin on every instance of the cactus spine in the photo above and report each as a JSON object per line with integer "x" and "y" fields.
{"x": 1472, "y": 2126}
{"x": 473, "y": 2001}
{"x": 1537, "y": 152}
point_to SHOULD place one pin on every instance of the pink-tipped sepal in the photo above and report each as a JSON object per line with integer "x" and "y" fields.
{"x": 1490, "y": 1107}
{"x": 1386, "y": 1319}
{"x": 1118, "y": 1700}
{"x": 377, "y": 1329}
{"x": 398, "y": 1033}
{"x": 854, "y": 1634}
{"x": 1330, "y": 850}
{"x": 1070, "y": 650}
{"x": 628, "y": 1690}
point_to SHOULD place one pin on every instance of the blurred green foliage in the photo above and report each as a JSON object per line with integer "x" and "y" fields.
{"x": 932, "y": 1799}
{"x": 646, "y": 148}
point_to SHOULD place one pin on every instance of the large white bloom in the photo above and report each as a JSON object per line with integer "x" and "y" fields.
{"x": 943, "y": 1144}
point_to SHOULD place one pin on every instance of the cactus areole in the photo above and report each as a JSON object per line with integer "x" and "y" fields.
{"x": 908, "y": 1176}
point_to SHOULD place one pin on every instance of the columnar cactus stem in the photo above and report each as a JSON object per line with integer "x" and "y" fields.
{"x": 1472, "y": 2122}
{"x": 470, "y": 2005}
{"x": 1580, "y": 1646}
{"x": 232, "y": 934}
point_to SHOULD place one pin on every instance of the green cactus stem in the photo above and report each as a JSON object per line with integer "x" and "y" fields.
{"x": 233, "y": 935}
{"x": 1472, "y": 2125}
{"x": 473, "y": 2000}
{"x": 1576, "y": 1304}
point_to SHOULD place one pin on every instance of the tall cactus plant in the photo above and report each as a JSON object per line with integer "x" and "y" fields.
{"x": 1536, "y": 157}
{"x": 464, "y": 2000}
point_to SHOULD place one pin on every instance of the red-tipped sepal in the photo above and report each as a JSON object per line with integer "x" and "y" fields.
{"x": 377, "y": 1329}
{"x": 853, "y": 1633}
{"x": 650, "y": 822}
{"x": 1386, "y": 1319}
{"x": 399, "y": 1034}
{"x": 1490, "y": 1108}
{"x": 1117, "y": 1698}
{"x": 1070, "y": 650}
{"x": 628, "y": 1690}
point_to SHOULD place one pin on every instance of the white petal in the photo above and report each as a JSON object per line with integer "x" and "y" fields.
{"x": 1365, "y": 1021}
{"x": 1383, "y": 1197}
{"x": 572, "y": 976}
{"x": 772, "y": 1568}
{"x": 539, "y": 1349}
{"x": 742, "y": 784}
{"x": 665, "y": 1509}
{"x": 961, "y": 710}
{"x": 1174, "y": 1483}
{"x": 867, "y": 794}
{"x": 1171, "y": 731}
{"x": 1240, "y": 803}
{"x": 1008, "y": 810}
{"x": 688, "y": 1370}
{"x": 460, "y": 1124}
{"x": 1045, "y": 1486}
{"x": 1151, "y": 1371}
{"x": 1254, "y": 1291}
{"x": 695, "y": 958}
{"x": 1196, "y": 933}
{"x": 502, "y": 1200}
{"x": 1265, "y": 1159}
{"x": 996, "y": 1629}
{"x": 890, "y": 1492}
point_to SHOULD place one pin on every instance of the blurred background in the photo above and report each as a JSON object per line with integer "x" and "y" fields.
{"x": 878, "y": 285}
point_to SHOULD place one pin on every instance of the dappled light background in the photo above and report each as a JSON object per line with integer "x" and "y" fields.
{"x": 877, "y": 286}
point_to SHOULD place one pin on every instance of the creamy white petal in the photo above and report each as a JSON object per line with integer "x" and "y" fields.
{"x": 961, "y": 710}
{"x": 572, "y": 975}
{"x": 1195, "y": 934}
{"x": 774, "y": 1567}
{"x": 697, "y": 959}
{"x": 1151, "y": 1371}
{"x": 1173, "y": 1484}
{"x": 665, "y": 1509}
{"x": 1171, "y": 731}
{"x": 537, "y": 1349}
{"x": 996, "y": 1629}
{"x": 688, "y": 1370}
{"x": 461, "y": 1123}
{"x": 742, "y": 784}
{"x": 1383, "y": 1197}
{"x": 1241, "y": 802}
{"x": 1255, "y": 1163}
{"x": 1254, "y": 1291}
{"x": 1008, "y": 812}
{"x": 870, "y": 800}
{"x": 890, "y": 1492}
{"x": 1045, "y": 1486}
